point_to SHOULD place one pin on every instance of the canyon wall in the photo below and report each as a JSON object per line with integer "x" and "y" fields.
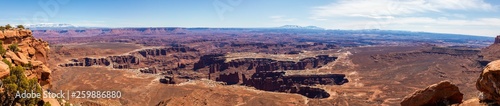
{"x": 153, "y": 59}
{"x": 30, "y": 53}
{"x": 216, "y": 63}
{"x": 280, "y": 82}
{"x": 490, "y": 53}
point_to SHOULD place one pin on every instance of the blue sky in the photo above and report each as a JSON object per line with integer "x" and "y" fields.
{"x": 475, "y": 17}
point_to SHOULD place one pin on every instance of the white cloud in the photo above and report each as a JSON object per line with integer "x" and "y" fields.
{"x": 479, "y": 26}
{"x": 392, "y": 8}
{"x": 280, "y": 18}
{"x": 446, "y": 16}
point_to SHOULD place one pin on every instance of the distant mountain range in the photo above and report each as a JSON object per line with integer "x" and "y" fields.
{"x": 53, "y": 26}
{"x": 287, "y": 28}
{"x": 300, "y": 27}
{"x": 45, "y": 26}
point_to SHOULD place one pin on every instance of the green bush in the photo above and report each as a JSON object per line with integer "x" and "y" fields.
{"x": 13, "y": 48}
{"x": 7, "y": 62}
{"x": 20, "y": 26}
{"x": 2, "y": 28}
{"x": 47, "y": 104}
{"x": 28, "y": 66}
{"x": 8, "y": 26}
{"x": 2, "y": 50}
{"x": 17, "y": 81}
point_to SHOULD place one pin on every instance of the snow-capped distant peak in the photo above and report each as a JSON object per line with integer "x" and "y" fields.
{"x": 49, "y": 25}
{"x": 299, "y": 27}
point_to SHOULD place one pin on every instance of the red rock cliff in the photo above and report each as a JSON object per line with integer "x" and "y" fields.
{"x": 31, "y": 53}
{"x": 497, "y": 40}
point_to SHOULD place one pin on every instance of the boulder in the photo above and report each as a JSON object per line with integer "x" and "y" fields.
{"x": 2, "y": 36}
{"x": 25, "y": 32}
{"x": 10, "y": 33}
{"x": 36, "y": 63}
{"x": 488, "y": 83}
{"x": 41, "y": 51}
{"x": 472, "y": 102}
{"x": 17, "y": 60}
{"x": 4, "y": 70}
{"x": 442, "y": 93}
{"x": 43, "y": 73}
{"x": 46, "y": 69}
{"x": 31, "y": 51}
{"x": 15, "y": 33}
{"x": 22, "y": 56}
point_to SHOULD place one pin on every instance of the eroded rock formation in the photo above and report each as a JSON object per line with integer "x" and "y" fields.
{"x": 488, "y": 83}
{"x": 140, "y": 59}
{"x": 490, "y": 53}
{"x": 497, "y": 40}
{"x": 279, "y": 82}
{"x": 440, "y": 94}
{"x": 216, "y": 63}
{"x": 454, "y": 51}
{"x": 261, "y": 73}
{"x": 30, "y": 53}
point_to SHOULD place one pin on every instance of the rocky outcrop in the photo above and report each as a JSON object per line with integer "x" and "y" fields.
{"x": 4, "y": 70}
{"x": 279, "y": 82}
{"x": 269, "y": 74}
{"x": 209, "y": 60}
{"x": 15, "y": 58}
{"x": 497, "y": 40}
{"x": 167, "y": 80}
{"x": 216, "y": 63}
{"x": 164, "y": 51}
{"x": 15, "y": 33}
{"x": 146, "y": 60}
{"x": 440, "y": 94}
{"x": 230, "y": 78}
{"x": 454, "y": 51}
{"x": 490, "y": 53}
{"x": 488, "y": 83}
{"x": 31, "y": 53}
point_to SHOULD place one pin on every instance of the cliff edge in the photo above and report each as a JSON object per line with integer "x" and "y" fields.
{"x": 20, "y": 48}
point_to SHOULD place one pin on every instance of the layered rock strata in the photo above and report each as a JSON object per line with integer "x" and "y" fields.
{"x": 488, "y": 83}
{"x": 31, "y": 53}
{"x": 440, "y": 94}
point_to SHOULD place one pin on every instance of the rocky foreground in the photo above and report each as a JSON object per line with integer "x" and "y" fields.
{"x": 23, "y": 66}
{"x": 29, "y": 52}
{"x": 446, "y": 93}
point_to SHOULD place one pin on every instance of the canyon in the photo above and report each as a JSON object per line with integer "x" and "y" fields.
{"x": 193, "y": 66}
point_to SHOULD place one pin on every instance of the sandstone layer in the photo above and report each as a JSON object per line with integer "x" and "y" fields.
{"x": 31, "y": 53}
{"x": 442, "y": 93}
{"x": 489, "y": 83}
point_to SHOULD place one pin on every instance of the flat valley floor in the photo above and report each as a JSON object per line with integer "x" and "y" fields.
{"x": 377, "y": 75}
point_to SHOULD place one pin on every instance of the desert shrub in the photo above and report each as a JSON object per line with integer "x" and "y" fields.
{"x": 47, "y": 104}
{"x": 28, "y": 66}
{"x": 2, "y": 50}
{"x": 2, "y": 28}
{"x": 7, "y": 62}
{"x": 14, "y": 48}
{"x": 8, "y": 26}
{"x": 17, "y": 81}
{"x": 20, "y": 26}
